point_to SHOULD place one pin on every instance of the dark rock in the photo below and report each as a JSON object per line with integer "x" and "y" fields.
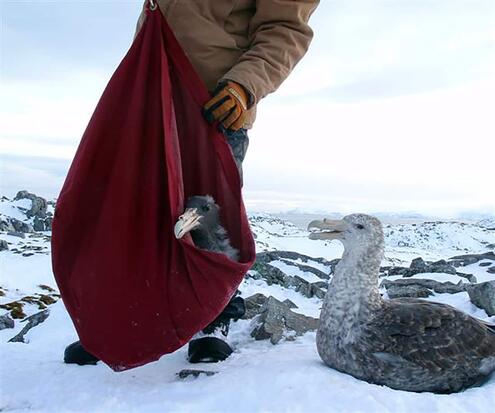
{"x": 20, "y": 226}
{"x": 418, "y": 264}
{"x": 254, "y": 305}
{"x": 302, "y": 286}
{"x": 420, "y": 287}
{"x": 184, "y": 374}
{"x": 48, "y": 223}
{"x": 467, "y": 259}
{"x": 470, "y": 277}
{"x": 38, "y": 224}
{"x": 6, "y": 322}
{"x": 405, "y": 272}
{"x": 483, "y": 296}
{"x": 3, "y": 245}
{"x": 319, "y": 289}
{"x": 485, "y": 264}
{"x": 491, "y": 270}
{"x": 441, "y": 266}
{"x": 5, "y": 225}
{"x": 287, "y": 256}
{"x": 289, "y": 303}
{"x": 278, "y": 321}
{"x": 38, "y": 204}
{"x": 262, "y": 269}
{"x": 32, "y": 321}
{"x": 412, "y": 291}
{"x": 270, "y": 274}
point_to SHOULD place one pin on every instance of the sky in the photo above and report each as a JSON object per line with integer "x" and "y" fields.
{"x": 390, "y": 110}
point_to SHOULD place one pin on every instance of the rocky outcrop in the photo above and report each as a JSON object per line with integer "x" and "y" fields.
{"x": 42, "y": 300}
{"x": 277, "y": 321}
{"x": 263, "y": 269}
{"x": 32, "y": 321}
{"x": 420, "y": 266}
{"x": 254, "y": 305}
{"x": 483, "y": 296}
{"x": 290, "y": 257}
{"x": 190, "y": 373}
{"x": 3, "y": 245}
{"x": 40, "y": 219}
{"x": 487, "y": 223}
{"x": 19, "y": 226}
{"x": 38, "y": 205}
{"x": 420, "y": 288}
{"x": 467, "y": 259}
{"x": 6, "y": 322}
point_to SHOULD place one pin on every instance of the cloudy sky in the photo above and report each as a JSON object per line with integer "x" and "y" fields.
{"x": 391, "y": 109}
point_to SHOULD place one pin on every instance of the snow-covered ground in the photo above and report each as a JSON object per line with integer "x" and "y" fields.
{"x": 259, "y": 376}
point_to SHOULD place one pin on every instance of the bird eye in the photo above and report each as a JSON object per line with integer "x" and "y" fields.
{"x": 205, "y": 208}
{"x": 359, "y": 226}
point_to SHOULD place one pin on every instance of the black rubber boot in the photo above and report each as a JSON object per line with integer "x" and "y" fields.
{"x": 211, "y": 348}
{"x": 208, "y": 350}
{"x": 75, "y": 354}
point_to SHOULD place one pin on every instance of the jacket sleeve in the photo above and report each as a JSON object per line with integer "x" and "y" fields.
{"x": 279, "y": 37}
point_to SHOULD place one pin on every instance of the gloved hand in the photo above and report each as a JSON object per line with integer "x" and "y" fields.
{"x": 228, "y": 105}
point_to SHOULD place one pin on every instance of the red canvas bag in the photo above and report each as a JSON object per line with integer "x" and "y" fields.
{"x": 133, "y": 291}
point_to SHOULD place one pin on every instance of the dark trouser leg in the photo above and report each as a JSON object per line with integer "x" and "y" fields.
{"x": 212, "y": 348}
{"x": 239, "y": 142}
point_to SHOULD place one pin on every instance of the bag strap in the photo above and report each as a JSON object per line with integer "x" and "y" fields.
{"x": 152, "y": 5}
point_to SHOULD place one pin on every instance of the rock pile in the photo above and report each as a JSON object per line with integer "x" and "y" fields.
{"x": 276, "y": 320}
{"x": 38, "y": 218}
{"x": 265, "y": 269}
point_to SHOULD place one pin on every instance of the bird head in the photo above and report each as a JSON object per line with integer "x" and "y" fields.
{"x": 355, "y": 230}
{"x": 201, "y": 213}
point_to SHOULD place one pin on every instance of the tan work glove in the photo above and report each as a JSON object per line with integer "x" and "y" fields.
{"x": 228, "y": 106}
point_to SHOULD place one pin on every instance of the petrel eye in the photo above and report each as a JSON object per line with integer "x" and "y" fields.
{"x": 205, "y": 208}
{"x": 359, "y": 226}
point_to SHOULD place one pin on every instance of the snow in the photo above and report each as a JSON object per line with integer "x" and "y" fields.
{"x": 15, "y": 209}
{"x": 306, "y": 306}
{"x": 462, "y": 302}
{"x": 259, "y": 376}
{"x": 319, "y": 266}
{"x": 293, "y": 270}
{"x": 478, "y": 271}
{"x": 445, "y": 238}
{"x": 437, "y": 276}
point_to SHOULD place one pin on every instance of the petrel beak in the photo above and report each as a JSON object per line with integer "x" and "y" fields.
{"x": 328, "y": 229}
{"x": 187, "y": 222}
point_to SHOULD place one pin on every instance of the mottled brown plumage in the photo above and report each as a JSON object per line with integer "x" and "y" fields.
{"x": 408, "y": 344}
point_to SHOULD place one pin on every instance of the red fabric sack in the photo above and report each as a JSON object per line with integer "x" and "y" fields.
{"x": 133, "y": 291}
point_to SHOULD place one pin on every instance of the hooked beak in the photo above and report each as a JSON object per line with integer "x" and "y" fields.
{"x": 329, "y": 229}
{"x": 187, "y": 222}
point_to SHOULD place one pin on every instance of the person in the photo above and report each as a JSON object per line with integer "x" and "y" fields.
{"x": 243, "y": 50}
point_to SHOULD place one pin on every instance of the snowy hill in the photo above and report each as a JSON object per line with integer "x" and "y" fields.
{"x": 291, "y": 272}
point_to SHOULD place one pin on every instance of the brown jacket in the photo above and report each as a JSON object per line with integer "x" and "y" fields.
{"x": 255, "y": 43}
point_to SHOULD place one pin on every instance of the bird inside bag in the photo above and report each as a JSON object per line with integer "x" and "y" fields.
{"x": 133, "y": 289}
